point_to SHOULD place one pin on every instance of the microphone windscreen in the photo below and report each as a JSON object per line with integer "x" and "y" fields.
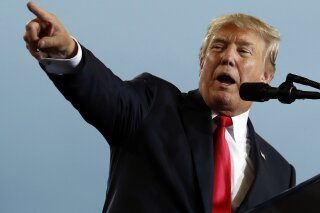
{"x": 254, "y": 91}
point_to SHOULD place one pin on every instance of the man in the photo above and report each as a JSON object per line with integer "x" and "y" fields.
{"x": 162, "y": 141}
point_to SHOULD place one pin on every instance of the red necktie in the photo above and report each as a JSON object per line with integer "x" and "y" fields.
{"x": 221, "y": 196}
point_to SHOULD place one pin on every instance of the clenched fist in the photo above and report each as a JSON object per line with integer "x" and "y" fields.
{"x": 46, "y": 37}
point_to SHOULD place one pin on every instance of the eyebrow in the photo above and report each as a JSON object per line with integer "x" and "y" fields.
{"x": 241, "y": 42}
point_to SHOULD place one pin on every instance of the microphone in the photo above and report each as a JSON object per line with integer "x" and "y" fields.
{"x": 286, "y": 93}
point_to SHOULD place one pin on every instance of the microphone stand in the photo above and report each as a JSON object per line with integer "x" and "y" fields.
{"x": 288, "y": 93}
{"x": 302, "y": 80}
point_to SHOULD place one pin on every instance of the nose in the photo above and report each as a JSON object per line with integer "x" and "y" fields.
{"x": 229, "y": 56}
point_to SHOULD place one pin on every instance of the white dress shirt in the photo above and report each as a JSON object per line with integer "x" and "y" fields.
{"x": 241, "y": 166}
{"x": 62, "y": 66}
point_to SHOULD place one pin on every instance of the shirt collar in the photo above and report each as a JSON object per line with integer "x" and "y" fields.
{"x": 238, "y": 130}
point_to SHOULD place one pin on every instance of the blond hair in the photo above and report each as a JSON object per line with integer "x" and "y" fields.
{"x": 268, "y": 33}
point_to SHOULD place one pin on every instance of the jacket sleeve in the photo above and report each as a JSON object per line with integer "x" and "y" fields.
{"x": 115, "y": 107}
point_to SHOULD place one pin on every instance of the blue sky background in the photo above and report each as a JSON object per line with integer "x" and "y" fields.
{"x": 52, "y": 161}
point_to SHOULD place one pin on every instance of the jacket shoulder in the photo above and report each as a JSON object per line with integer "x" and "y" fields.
{"x": 158, "y": 86}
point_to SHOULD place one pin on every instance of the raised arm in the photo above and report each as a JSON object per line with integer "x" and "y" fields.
{"x": 115, "y": 107}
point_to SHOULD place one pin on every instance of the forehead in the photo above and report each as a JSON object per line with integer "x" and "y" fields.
{"x": 234, "y": 34}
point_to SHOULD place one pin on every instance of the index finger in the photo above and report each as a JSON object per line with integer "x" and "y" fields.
{"x": 39, "y": 12}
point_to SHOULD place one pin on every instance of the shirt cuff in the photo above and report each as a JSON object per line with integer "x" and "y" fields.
{"x": 62, "y": 66}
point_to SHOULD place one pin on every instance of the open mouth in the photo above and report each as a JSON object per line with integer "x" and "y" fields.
{"x": 226, "y": 79}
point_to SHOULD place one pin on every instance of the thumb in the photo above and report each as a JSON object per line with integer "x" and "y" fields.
{"x": 49, "y": 42}
{"x": 58, "y": 46}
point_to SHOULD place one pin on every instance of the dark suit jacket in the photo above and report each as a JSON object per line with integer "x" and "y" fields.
{"x": 161, "y": 142}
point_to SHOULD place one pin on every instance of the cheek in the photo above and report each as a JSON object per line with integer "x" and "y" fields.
{"x": 251, "y": 72}
{"x": 208, "y": 67}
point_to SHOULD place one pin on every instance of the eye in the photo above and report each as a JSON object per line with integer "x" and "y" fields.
{"x": 217, "y": 47}
{"x": 244, "y": 51}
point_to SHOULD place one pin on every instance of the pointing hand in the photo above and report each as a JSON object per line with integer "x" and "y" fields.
{"x": 46, "y": 37}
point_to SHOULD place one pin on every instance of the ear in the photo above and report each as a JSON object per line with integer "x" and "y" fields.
{"x": 266, "y": 77}
{"x": 201, "y": 66}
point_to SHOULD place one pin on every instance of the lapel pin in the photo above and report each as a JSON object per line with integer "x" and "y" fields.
{"x": 262, "y": 155}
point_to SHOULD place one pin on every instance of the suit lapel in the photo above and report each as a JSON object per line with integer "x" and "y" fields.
{"x": 258, "y": 158}
{"x": 197, "y": 124}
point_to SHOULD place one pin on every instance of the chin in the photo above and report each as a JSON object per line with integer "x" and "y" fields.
{"x": 220, "y": 101}
{"x": 227, "y": 104}
{"x": 222, "y": 97}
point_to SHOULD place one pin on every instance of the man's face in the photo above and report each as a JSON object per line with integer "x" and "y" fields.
{"x": 234, "y": 56}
